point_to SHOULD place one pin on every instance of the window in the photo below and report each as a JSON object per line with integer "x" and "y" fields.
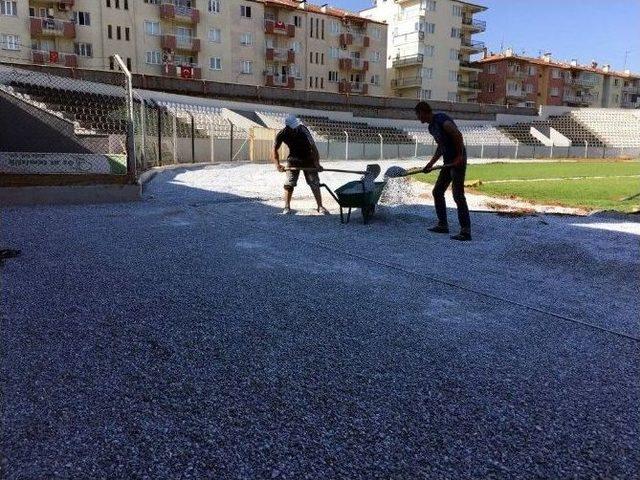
{"x": 215, "y": 35}
{"x": 153, "y": 58}
{"x": 426, "y": 94}
{"x": 531, "y": 70}
{"x": 245, "y": 11}
{"x": 322, "y": 58}
{"x": 118, "y": 33}
{"x": 375, "y": 57}
{"x": 317, "y": 58}
{"x": 297, "y": 20}
{"x": 555, "y": 73}
{"x": 333, "y": 76}
{"x": 151, "y": 28}
{"x": 247, "y": 67}
{"x": 455, "y": 32}
{"x": 83, "y": 49}
{"x": 10, "y": 42}
{"x": 453, "y": 76}
{"x": 555, "y": 92}
{"x": 322, "y": 82}
{"x": 616, "y": 81}
{"x": 316, "y": 82}
{"x": 492, "y": 88}
{"x": 430, "y": 5}
{"x": 214, "y": 6}
{"x": 9, "y": 8}
{"x": 117, "y": 4}
{"x": 311, "y": 28}
{"x": 246, "y": 39}
{"x": 335, "y": 28}
{"x": 82, "y": 18}
{"x": 430, "y": 28}
{"x": 109, "y": 31}
{"x": 456, "y": 10}
{"x": 427, "y": 73}
{"x": 429, "y": 50}
{"x": 375, "y": 79}
{"x": 322, "y": 29}
{"x": 334, "y": 52}
{"x": 310, "y": 82}
{"x": 452, "y": 97}
{"x": 296, "y": 47}
{"x": 112, "y": 65}
{"x": 310, "y": 57}
{"x": 215, "y": 63}
{"x": 492, "y": 69}
{"x": 128, "y": 58}
{"x": 108, "y": 3}
{"x": 126, "y": 7}
{"x": 528, "y": 88}
{"x": 127, "y": 34}
{"x": 376, "y": 33}
{"x": 454, "y": 54}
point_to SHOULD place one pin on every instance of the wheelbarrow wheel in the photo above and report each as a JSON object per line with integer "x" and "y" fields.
{"x": 367, "y": 212}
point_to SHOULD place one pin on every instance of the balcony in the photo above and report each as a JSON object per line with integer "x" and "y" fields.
{"x": 515, "y": 74}
{"x": 359, "y": 65}
{"x": 66, "y": 4}
{"x": 470, "y": 66}
{"x": 475, "y": 26}
{"x": 345, "y": 63}
{"x": 473, "y": 46}
{"x": 176, "y": 11}
{"x": 408, "y": 60}
{"x": 188, "y": 71}
{"x": 581, "y": 100}
{"x": 284, "y": 81}
{"x": 631, "y": 89}
{"x": 581, "y": 82}
{"x": 411, "y": 37}
{"x": 516, "y": 94}
{"x": 43, "y": 57}
{"x": 360, "y": 40}
{"x": 353, "y": 87}
{"x": 275, "y": 27}
{"x": 41, "y": 27}
{"x": 174, "y": 42}
{"x": 346, "y": 39}
{"x": 468, "y": 85}
{"x": 281, "y": 55}
{"x": 407, "y": 82}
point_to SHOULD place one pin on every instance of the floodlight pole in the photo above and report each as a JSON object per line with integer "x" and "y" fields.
{"x": 131, "y": 148}
{"x": 346, "y": 145}
{"x": 381, "y": 147}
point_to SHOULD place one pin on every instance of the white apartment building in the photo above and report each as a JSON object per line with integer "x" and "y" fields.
{"x": 277, "y": 43}
{"x": 430, "y": 43}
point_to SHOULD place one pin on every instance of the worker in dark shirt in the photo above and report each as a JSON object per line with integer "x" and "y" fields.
{"x": 451, "y": 148}
{"x": 303, "y": 153}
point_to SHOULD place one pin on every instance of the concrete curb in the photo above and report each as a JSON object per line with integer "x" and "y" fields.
{"x": 69, "y": 195}
{"x": 148, "y": 175}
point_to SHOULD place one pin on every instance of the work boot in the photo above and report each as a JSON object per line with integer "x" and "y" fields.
{"x": 462, "y": 236}
{"x": 323, "y": 211}
{"x": 439, "y": 229}
{"x": 286, "y": 211}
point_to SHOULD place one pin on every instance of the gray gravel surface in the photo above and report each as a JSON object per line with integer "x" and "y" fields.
{"x": 201, "y": 335}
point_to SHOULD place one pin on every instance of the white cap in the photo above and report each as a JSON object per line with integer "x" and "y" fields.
{"x": 292, "y": 121}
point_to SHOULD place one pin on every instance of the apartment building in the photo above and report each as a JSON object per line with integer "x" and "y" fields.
{"x": 430, "y": 44}
{"x": 510, "y": 79}
{"x": 276, "y": 43}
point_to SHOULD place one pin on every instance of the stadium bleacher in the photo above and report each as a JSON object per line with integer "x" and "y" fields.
{"x": 614, "y": 127}
{"x": 473, "y": 135}
{"x": 575, "y": 131}
{"x": 358, "y": 131}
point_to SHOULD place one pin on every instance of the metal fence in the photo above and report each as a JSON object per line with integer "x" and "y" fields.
{"x": 55, "y": 125}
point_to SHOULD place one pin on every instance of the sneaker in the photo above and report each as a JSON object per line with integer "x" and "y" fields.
{"x": 286, "y": 211}
{"x": 439, "y": 229}
{"x": 323, "y": 211}
{"x": 462, "y": 236}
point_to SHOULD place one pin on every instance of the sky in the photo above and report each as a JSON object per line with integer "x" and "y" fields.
{"x": 586, "y": 30}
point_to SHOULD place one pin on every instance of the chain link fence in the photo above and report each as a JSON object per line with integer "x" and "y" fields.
{"x": 56, "y": 125}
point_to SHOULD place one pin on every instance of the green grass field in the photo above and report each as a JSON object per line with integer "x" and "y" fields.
{"x": 591, "y": 185}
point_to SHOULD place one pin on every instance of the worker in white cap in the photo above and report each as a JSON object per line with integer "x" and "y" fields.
{"x": 303, "y": 154}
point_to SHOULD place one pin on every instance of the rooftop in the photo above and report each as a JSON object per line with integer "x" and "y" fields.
{"x": 344, "y": 15}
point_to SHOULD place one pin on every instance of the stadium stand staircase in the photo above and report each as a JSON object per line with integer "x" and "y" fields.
{"x": 575, "y": 131}
{"x": 358, "y": 131}
{"x": 614, "y": 127}
{"x": 473, "y": 135}
{"x": 521, "y": 132}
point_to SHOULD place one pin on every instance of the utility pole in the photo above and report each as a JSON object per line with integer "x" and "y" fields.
{"x": 626, "y": 55}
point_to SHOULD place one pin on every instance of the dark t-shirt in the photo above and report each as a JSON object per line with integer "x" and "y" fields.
{"x": 443, "y": 139}
{"x": 300, "y": 143}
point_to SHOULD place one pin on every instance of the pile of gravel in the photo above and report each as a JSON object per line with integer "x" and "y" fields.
{"x": 394, "y": 172}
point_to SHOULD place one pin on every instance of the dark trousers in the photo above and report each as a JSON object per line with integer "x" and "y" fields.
{"x": 455, "y": 177}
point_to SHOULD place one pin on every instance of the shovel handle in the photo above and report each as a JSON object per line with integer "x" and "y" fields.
{"x": 290, "y": 169}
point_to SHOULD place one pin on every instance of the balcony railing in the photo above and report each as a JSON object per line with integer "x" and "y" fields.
{"x": 469, "y": 85}
{"x": 360, "y": 40}
{"x": 279, "y": 28}
{"x": 579, "y": 99}
{"x": 631, "y": 89}
{"x": 581, "y": 82}
{"x": 408, "y": 60}
{"x": 465, "y": 64}
{"x": 406, "y": 82}
{"x": 353, "y": 87}
{"x": 517, "y": 74}
{"x": 52, "y": 27}
{"x": 188, "y": 71}
{"x": 475, "y": 25}
{"x": 359, "y": 64}
{"x": 285, "y": 81}
{"x": 177, "y": 10}
{"x": 516, "y": 94}
{"x": 173, "y": 42}
{"x": 281, "y": 55}
{"x": 58, "y": 58}
{"x": 476, "y": 46}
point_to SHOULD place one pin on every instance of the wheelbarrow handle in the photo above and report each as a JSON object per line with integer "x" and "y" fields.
{"x": 326, "y": 170}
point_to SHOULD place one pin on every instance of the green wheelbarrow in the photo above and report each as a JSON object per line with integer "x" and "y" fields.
{"x": 355, "y": 195}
